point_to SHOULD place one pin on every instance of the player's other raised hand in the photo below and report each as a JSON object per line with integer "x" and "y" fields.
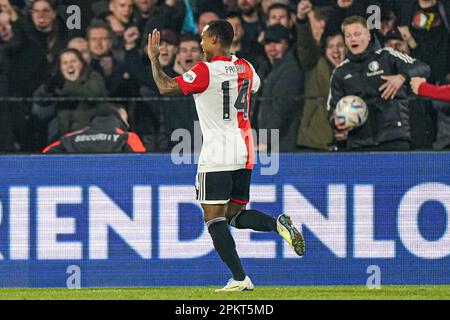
{"x": 153, "y": 45}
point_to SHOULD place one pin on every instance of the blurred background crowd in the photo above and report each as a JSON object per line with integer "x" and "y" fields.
{"x": 71, "y": 72}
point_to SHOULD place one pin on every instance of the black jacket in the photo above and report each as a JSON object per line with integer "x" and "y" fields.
{"x": 107, "y": 134}
{"x": 279, "y": 109}
{"x": 360, "y": 75}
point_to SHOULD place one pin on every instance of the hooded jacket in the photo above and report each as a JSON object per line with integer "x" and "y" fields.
{"x": 360, "y": 75}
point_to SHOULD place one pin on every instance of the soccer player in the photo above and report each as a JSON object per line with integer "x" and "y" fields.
{"x": 222, "y": 88}
{"x": 422, "y": 88}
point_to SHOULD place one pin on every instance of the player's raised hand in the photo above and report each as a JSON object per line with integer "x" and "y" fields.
{"x": 390, "y": 88}
{"x": 415, "y": 84}
{"x": 153, "y": 45}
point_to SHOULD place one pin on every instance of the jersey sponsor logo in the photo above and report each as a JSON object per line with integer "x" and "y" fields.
{"x": 189, "y": 76}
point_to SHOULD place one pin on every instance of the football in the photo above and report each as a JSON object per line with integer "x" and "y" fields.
{"x": 352, "y": 110}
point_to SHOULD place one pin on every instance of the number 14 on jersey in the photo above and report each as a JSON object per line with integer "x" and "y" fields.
{"x": 241, "y": 104}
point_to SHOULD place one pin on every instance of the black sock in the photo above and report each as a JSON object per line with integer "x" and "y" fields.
{"x": 255, "y": 220}
{"x": 226, "y": 247}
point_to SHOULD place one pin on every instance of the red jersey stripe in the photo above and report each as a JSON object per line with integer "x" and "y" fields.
{"x": 244, "y": 124}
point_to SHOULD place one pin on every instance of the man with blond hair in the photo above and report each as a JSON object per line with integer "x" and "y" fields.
{"x": 377, "y": 75}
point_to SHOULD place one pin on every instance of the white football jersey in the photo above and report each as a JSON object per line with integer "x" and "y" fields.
{"x": 222, "y": 90}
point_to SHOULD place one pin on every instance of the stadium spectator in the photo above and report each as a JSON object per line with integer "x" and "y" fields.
{"x": 342, "y": 9}
{"x": 120, "y": 18}
{"x": 74, "y": 78}
{"x": 378, "y": 76}
{"x": 388, "y": 24}
{"x": 279, "y": 13}
{"x": 422, "y": 116}
{"x": 253, "y": 24}
{"x": 169, "y": 47}
{"x": 120, "y": 22}
{"x": 144, "y": 11}
{"x": 170, "y": 14}
{"x": 315, "y": 131}
{"x": 236, "y": 47}
{"x": 189, "y": 53}
{"x": 428, "y": 26}
{"x": 441, "y": 103}
{"x": 82, "y": 45}
{"x": 283, "y": 81}
{"x": 47, "y": 29}
{"x": 107, "y": 133}
{"x": 394, "y": 39}
{"x": 220, "y": 7}
{"x": 27, "y": 69}
{"x": 118, "y": 78}
{"x": 265, "y": 5}
{"x": 6, "y": 131}
{"x": 205, "y": 18}
{"x": 9, "y": 10}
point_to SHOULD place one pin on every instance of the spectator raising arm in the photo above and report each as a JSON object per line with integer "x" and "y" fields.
{"x": 308, "y": 51}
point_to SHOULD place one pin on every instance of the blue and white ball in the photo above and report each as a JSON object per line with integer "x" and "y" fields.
{"x": 352, "y": 111}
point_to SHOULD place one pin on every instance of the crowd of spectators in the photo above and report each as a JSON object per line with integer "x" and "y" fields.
{"x": 294, "y": 46}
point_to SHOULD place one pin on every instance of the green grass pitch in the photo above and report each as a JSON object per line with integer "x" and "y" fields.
{"x": 260, "y": 293}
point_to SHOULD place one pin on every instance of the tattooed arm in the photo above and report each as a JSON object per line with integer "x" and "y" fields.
{"x": 166, "y": 85}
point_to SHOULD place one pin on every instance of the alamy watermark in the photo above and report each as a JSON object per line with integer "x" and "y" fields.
{"x": 374, "y": 20}
{"x": 73, "y": 21}
{"x": 232, "y": 148}
{"x": 374, "y": 280}
{"x": 74, "y": 279}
